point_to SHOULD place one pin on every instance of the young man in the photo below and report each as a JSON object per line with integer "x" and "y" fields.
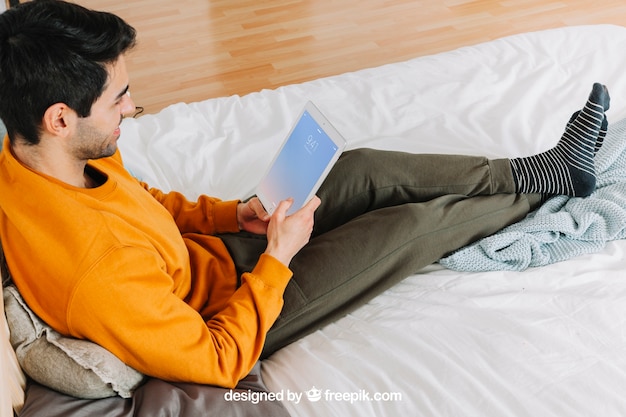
{"x": 199, "y": 291}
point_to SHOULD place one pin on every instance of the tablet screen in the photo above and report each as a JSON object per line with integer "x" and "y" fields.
{"x": 301, "y": 165}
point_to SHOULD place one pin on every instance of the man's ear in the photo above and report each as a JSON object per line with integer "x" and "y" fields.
{"x": 59, "y": 119}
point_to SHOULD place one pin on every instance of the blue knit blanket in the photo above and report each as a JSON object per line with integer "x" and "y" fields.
{"x": 562, "y": 227}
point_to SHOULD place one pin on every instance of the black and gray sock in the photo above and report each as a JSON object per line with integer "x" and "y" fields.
{"x": 568, "y": 168}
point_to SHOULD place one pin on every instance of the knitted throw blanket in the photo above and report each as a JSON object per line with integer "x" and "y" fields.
{"x": 562, "y": 227}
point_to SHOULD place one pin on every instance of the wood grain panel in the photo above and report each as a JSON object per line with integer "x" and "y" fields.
{"x": 190, "y": 50}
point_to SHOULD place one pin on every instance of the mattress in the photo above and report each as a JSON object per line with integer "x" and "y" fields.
{"x": 547, "y": 341}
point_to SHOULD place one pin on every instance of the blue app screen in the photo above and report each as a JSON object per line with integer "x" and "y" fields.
{"x": 301, "y": 162}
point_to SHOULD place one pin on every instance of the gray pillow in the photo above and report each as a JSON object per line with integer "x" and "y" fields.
{"x": 72, "y": 366}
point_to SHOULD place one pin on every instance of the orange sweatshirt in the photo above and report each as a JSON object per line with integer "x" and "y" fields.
{"x": 138, "y": 272}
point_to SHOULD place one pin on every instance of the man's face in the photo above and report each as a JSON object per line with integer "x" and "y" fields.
{"x": 96, "y": 136}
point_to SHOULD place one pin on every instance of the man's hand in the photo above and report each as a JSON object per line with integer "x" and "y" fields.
{"x": 286, "y": 235}
{"x": 252, "y": 217}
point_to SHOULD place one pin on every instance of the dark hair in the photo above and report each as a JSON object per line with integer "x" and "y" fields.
{"x": 55, "y": 52}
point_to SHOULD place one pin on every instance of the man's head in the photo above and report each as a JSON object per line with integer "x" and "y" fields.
{"x": 55, "y": 52}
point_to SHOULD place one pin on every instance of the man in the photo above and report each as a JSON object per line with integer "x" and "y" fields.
{"x": 199, "y": 291}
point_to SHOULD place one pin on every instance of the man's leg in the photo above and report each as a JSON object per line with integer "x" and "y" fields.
{"x": 364, "y": 180}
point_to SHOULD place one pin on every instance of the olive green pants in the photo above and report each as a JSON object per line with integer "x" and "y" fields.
{"x": 384, "y": 216}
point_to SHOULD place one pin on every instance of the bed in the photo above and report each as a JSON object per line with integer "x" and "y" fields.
{"x": 525, "y": 339}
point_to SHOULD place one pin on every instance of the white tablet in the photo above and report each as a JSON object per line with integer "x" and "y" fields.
{"x": 302, "y": 163}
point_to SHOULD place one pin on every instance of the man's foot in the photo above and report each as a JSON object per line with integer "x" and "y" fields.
{"x": 568, "y": 168}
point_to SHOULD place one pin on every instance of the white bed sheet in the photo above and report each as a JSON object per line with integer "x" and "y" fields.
{"x": 549, "y": 341}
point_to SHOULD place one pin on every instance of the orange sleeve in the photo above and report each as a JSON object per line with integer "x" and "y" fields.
{"x": 157, "y": 333}
{"x": 208, "y": 215}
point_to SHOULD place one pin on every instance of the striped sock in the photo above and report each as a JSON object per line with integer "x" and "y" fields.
{"x": 568, "y": 168}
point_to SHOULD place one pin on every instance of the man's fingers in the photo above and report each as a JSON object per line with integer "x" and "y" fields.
{"x": 283, "y": 206}
{"x": 313, "y": 203}
{"x": 259, "y": 210}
